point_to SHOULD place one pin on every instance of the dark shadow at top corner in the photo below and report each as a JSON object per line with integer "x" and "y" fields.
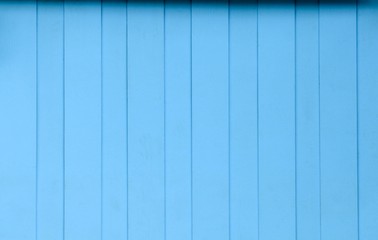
{"x": 208, "y": 2}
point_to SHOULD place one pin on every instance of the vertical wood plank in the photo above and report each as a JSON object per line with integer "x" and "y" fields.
{"x": 83, "y": 120}
{"x": 210, "y": 120}
{"x": 276, "y": 92}
{"x": 18, "y": 120}
{"x": 114, "y": 121}
{"x": 50, "y": 120}
{"x": 307, "y": 95}
{"x": 178, "y": 119}
{"x": 368, "y": 117}
{"x": 146, "y": 124}
{"x": 338, "y": 123}
{"x": 243, "y": 120}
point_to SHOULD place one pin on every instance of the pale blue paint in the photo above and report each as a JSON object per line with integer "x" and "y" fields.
{"x": 338, "y": 122}
{"x": 308, "y": 135}
{"x": 83, "y": 121}
{"x": 276, "y": 116}
{"x": 177, "y": 120}
{"x": 50, "y": 121}
{"x": 146, "y": 122}
{"x": 243, "y": 122}
{"x": 114, "y": 121}
{"x": 18, "y": 125}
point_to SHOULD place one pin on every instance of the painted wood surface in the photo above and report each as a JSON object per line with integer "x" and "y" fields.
{"x": 185, "y": 119}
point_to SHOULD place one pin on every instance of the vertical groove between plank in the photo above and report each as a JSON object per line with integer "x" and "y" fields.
{"x": 358, "y": 131}
{"x": 164, "y": 124}
{"x": 295, "y": 122}
{"x": 102, "y": 124}
{"x": 36, "y": 125}
{"x": 257, "y": 121}
{"x": 64, "y": 120}
{"x": 127, "y": 121}
{"x": 319, "y": 127}
{"x": 191, "y": 120}
{"x": 229, "y": 118}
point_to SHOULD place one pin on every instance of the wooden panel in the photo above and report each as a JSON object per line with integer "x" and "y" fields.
{"x": 243, "y": 121}
{"x": 307, "y": 120}
{"x": 368, "y": 118}
{"x": 50, "y": 121}
{"x": 210, "y": 120}
{"x": 114, "y": 120}
{"x": 338, "y": 122}
{"x": 276, "y": 93}
{"x": 146, "y": 123}
{"x": 188, "y": 120}
{"x": 178, "y": 120}
{"x": 18, "y": 120}
{"x": 83, "y": 120}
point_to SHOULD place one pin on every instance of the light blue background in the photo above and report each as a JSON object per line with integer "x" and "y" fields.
{"x": 179, "y": 120}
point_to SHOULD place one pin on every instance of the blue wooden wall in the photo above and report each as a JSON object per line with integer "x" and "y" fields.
{"x": 179, "y": 120}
